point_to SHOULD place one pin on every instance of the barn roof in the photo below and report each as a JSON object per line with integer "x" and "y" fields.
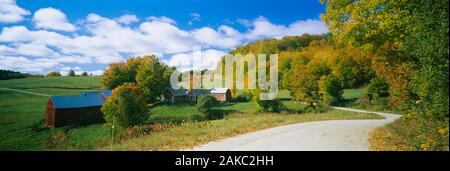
{"x": 87, "y": 99}
{"x": 219, "y": 90}
{"x": 107, "y": 93}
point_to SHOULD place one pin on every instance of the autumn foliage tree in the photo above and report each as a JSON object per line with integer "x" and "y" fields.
{"x": 147, "y": 72}
{"x": 153, "y": 77}
{"x": 126, "y": 107}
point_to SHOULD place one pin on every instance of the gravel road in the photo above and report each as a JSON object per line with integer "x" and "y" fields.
{"x": 335, "y": 135}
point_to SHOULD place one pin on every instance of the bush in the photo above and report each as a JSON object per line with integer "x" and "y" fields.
{"x": 378, "y": 87}
{"x": 244, "y": 97}
{"x": 330, "y": 89}
{"x": 204, "y": 106}
{"x": 319, "y": 107}
{"x": 266, "y": 105}
{"x": 127, "y": 105}
{"x": 365, "y": 101}
{"x": 53, "y": 74}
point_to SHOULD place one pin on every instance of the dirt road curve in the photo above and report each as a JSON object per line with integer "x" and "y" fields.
{"x": 336, "y": 135}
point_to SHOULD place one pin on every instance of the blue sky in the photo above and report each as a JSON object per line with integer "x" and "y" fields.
{"x": 41, "y": 36}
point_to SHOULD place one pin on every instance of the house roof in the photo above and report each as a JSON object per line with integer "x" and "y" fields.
{"x": 219, "y": 90}
{"x": 87, "y": 99}
{"x": 177, "y": 92}
{"x": 198, "y": 92}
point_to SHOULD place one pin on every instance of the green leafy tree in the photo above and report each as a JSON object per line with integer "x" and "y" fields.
{"x": 330, "y": 89}
{"x": 126, "y": 107}
{"x": 153, "y": 77}
{"x": 84, "y": 73}
{"x": 378, "y": 87}
{"x": 71, "y": 73}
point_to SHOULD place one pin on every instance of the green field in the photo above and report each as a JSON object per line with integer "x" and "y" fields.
{"x": 22, "y": 118}
{"x": 354, "y": 93}
{"x": 22, "y": 115}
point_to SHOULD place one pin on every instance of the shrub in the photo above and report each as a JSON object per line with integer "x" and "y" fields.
{"x": 244, "y": 97}
{"x": 330, "y": 89}
{"x": 127, "y": 105}
{"x": 319, "y": 107}
{"x": 266, "y": 105}
{"x": 364, "y": 101}
{"x": 378, "y": 87}
{"x": 204, "y": 106}
{"x": 53, "y": 74}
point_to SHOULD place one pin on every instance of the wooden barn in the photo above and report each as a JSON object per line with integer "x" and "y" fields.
{"x": 79, "y": 110}
{"x": 221, "y": 94}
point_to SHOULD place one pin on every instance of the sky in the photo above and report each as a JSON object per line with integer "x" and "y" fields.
{"x": 39, "y": 36}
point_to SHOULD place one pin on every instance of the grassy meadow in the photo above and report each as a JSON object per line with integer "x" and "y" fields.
{"x": 22, "y": 120}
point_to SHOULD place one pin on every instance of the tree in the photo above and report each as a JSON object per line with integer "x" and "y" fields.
{"x": 121, "y": 72}
{"x": 126, "y": 106}
{"x": 265, "y": 105}
{"x": 330, "y": 89}
{"x": 53, "y": 74}
{"x": 378, "y": 87}
{"x": 84, "y": 73}
{"x": 71, "y": 73}
{"x": 153, "y": 77}
{"x": 411, "y": 41}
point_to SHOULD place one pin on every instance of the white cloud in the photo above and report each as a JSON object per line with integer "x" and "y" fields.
{"x": 262, "y": 28}
{"x": 186, "y": 61}
{"x": 127, "y": 19}
{"x": 102, "y": 40}
{"x": 20, "y": 63}
{"x": 10, "y": 12}
{"x": 51, "y": 18}
{"x": 163, "y": 19}
{"x": 225, "y": 37}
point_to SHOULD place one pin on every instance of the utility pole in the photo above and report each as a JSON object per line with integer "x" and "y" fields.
{"x": 112, "y": 133}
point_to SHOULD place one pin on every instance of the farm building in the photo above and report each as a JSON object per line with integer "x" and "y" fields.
{"x": 221, "y": 94}
{"x": 80, "y": 110}
{"x": 193, "y": 94}
{"x": 174, "y": 95}
{"x": 179, "y": 95}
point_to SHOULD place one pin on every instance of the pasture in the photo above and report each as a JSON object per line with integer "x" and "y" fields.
{"x": 22, "y": 119}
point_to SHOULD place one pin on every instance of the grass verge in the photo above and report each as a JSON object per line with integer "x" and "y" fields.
{"x": 188, "y": 135}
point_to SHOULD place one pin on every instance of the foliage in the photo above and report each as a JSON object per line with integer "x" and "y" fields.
{"x": 411, "y": 134}
{"x": 126, "y": 106}
{"x": 153, "y": 77}
{"x": 84, "y": 73}
{"x": 266, "y": 105}
{"x": 244, "y": 97}
{"x": 410, "y": 43}
{"x": 330, "y": 89}
{"x": 7, "y": 74}
{"x": 71, "y": 73}
{"x": 378, "y": 87}
{"x": 204, "y": 106}
{"x": 53, "y": 74}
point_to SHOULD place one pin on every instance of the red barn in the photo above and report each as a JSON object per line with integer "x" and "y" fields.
{"x": 79, "y": 110}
